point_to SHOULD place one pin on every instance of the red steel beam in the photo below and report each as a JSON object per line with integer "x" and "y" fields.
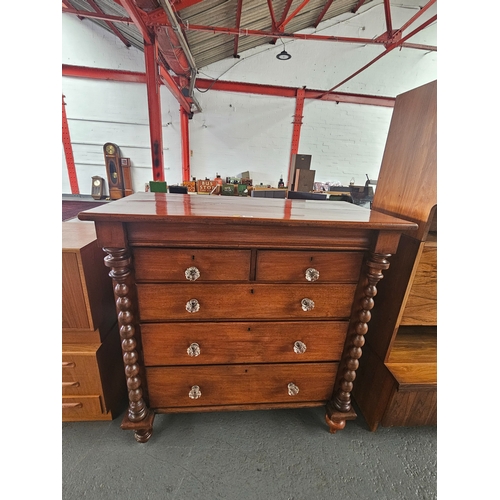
{"x": 323, "y": 12}
{"x": 285, "y": 11}
{"x": 154, "y": 108}
{"x": 170, "y": 83}
{"x": 386, "y": 51}
{"x": 291, "y": 92}
{"x": 282, "y": 25}
{"x": 68, "y": 152}
{"x": 103, "y": 74}
{"x": 273, "y": 18}
{"x": 424, "y": 9}
{"x": 186, "y": 168}
{"x": 388, "y": 19}
{"x": 136, "y": 17}
{"x": 110, "y": 25}
{"x": 297, "y": 125}
{"x": 238, "y": 23}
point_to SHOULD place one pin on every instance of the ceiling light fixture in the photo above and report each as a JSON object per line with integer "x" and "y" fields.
{"x": 284, "y": 55}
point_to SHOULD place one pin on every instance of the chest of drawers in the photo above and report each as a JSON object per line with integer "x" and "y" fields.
{"x": 241, "y": 304}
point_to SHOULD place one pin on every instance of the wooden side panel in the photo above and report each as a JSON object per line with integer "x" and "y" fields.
{"x": 407, "y": 183}
{"x": 75, "y": 309}
{"x": 421, "y": 306}
{"x": 411, "y": 409}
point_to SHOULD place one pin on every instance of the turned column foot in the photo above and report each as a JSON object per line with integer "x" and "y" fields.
{"x": 336, "y": 419}
{"x": 143, "y": 430}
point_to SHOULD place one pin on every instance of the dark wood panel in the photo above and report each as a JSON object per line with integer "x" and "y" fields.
{"x": 242, "y": 342}
{"x": 240, "y": 301}
{"x": 238, "y": 384}
{"x": 412, "y": 409}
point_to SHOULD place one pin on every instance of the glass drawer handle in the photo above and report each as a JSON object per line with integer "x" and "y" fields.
{"x": 293, "y": 390}
{"x": 312, "y": 274}
{"x": 194, "y": 350}
{"x": 192, "y": 273}
{"x": 68, "y": 364}
{"x": 195, "y": 392}
{"x": 307, "y": 304}
{"x": 299, "y": 347}
{"x": 192, "y": 306}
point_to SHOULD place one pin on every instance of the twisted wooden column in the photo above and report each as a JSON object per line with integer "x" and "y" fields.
{"x": 138, "y": 417}
{"x": 340, "y": 409}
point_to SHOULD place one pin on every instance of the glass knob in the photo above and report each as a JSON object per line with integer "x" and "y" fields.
{"x": 293, "y": 390}
{"x": 194, "y": 350}
{"x": 195, "y": 392}
{"x": 307, "y": 304}
{"x": 299, "y": 347}
{"x": 192, "y": 306}
{"x": 192, "y": 273}
{"x": 312, "y": 274}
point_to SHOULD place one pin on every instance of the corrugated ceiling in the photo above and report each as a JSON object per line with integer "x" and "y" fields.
{"x": 207, "y": 47}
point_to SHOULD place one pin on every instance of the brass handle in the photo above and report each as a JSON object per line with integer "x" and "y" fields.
{"x": 192, "y": 306}
{"x": 72, "y": 405}
{"x": 68, "y": 364}
{"x": 192, "y": 273}
{"x": 299, "y": 347}
{"x": 194, "y": 350}
{"x": 307, "y": 304}
{"x": 312, "y": 274}
{"x": 71, "y": 384}
{"x": 195, "y": 392}
{"x": 293, "y": 390}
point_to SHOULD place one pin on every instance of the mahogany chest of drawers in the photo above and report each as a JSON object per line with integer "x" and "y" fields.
{"x": 241, "y": 303}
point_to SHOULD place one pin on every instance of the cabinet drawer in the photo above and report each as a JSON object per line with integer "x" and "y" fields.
{"x": 243, "y": 301}
{"x": 80, "y": 373}
{"x": 242, "y": 342}
{"x": 165, "y": 264}
{"x": 78, "y": 408}
{"x": 342, "y": 267}
{"x": 238, "y": 384}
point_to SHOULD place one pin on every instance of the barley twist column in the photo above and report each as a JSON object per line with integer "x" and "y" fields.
{"x": 340, "y": 408}
{"x": 119, "y": 262}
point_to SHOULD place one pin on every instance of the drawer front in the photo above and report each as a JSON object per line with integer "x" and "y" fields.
{"x": 164, "y": 264}
{"x": 342, "y": 267}
{"x": 239, "y": 384}
{"x": 243, "y": 301}
{"x": 78, "y": 408}
{"x": 242, "y": 342}
{"x": 80, "y": 374}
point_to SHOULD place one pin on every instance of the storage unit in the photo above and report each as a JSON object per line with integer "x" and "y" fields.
{"x": 240, "y": 304}
{"x": 93, "y": 381}
{"x": 397, "y": 379}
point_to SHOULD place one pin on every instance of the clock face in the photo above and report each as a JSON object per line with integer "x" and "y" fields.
{"x": 97, "y": 182}
{"x": 110, "y": 149}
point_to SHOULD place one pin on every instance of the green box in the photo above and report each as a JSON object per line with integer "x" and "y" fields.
{"x": 158, "y": 186}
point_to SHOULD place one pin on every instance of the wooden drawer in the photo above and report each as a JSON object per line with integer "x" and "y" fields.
{"x": 243, "y": 301}
{"x": 239, "y": 384}
{"x": 77, "y": 408}
{"x": 165, "y": 264}
{"x": 242, "y": 342}
{"x": 80, "y": 371}
{"x": 341, "y": 267}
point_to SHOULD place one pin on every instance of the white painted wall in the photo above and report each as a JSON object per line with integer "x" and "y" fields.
{"x": 239, "y": 132}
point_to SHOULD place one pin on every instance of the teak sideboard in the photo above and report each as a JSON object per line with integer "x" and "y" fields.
{"x": 241, "y": 304}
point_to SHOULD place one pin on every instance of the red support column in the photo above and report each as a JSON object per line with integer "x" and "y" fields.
{"x": 154, "y": 107}
{"x": 68, "y": 152}
{"x": 297, "y": 124}
{"x": 186, "y": 169}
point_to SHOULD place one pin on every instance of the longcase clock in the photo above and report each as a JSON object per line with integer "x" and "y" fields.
{"x": 113, "y": 170}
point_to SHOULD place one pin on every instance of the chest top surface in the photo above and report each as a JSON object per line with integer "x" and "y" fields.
{"x": 163, "y": 207}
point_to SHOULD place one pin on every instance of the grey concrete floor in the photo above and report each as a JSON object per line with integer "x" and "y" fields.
{"x": 254, "y": 455}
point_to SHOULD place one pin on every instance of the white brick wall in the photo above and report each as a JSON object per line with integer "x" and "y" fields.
{"x": 238, "y": 132}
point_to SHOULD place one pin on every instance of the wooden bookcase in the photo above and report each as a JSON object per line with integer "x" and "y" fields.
{"x": 396, "y": 384}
